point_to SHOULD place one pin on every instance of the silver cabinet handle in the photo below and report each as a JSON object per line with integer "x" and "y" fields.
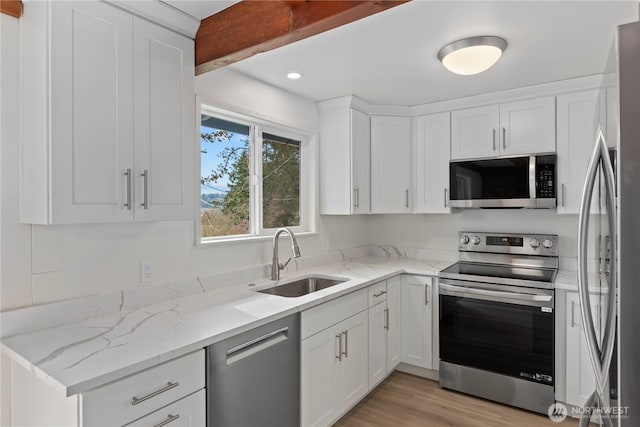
{"x": 494, "y": 140}
{"x": 445, "y": 197}
{"x": 356, "y": 197}
{"x": 170, "y": 419}
{"x": 406, "y": 196}
{"x": 169, "y": 386}
{"x": 128, "y": 202}
{"x": 145, "y": 199}
{"x": 379, "y": 294}
{"x": 562, "y": 192}
{"x": 339, "y": 356}
{"x": 426, "y": 294}
{"x": 386, "y": 318}
{"x": 573, "y": 318}
{"x": 504, "y": 138}
{"x": 346, "y": 344}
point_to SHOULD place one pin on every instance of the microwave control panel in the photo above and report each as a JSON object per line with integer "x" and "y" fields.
{"x": 545, "y": 177}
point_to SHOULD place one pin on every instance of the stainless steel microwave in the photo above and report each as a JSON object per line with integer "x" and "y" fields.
{"x": 514, "y": 182}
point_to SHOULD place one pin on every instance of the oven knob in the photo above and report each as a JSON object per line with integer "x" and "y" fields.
{"x": 475, "y": 240}
{"x": 534, "y": 243}
{"x": 547, "y": 243}
{"x": 464, "y": 240}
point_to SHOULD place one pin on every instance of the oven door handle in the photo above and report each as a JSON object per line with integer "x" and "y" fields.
{"x": 470, "y": 292}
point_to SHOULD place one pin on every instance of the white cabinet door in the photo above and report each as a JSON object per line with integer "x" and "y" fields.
{"x": 91, "y": 113}
{"x": 164, "y": 123}
{"x": 352, "y": 379}
{"x": 319, "y": 359}
{"x": 360, "y": 162}
{"x": 580, "y": 380}
{"x": 377, "y": 343}
{"x": 577, "y": 115}
{"x": 432, "y": 163}
{"x": 345, "y": 160}
{"x": 416, "y": 321}
{"x": 528, "y": 127}
{"x": 394, "y": 323}
{"x": 390, "y": 164}
{"x": 474, "y": 132}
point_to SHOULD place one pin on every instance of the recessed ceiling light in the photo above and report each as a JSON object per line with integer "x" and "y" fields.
{"x": 472, "y": 55}
{"x": 294, "y": 75}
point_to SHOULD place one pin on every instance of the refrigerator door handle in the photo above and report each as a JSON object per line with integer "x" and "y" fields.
{"x": 600, "y": 357}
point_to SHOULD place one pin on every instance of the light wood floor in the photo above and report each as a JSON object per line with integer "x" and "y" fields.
{"x": 404, "y": 400}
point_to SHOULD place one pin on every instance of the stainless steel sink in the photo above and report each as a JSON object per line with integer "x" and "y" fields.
{"x": 303, "y": 286}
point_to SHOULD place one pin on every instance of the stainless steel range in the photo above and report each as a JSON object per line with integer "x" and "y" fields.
{"x": 497, "y": 321}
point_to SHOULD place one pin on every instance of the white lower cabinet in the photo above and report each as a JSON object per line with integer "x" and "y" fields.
{"x": 417, "y": 324}
{"x": 334, "y": 360}
{"x": 172, "y": 393}
{"x": 187, "y": 412}
{"x": 384, "y": 330}
{"x": 580, "y": 380}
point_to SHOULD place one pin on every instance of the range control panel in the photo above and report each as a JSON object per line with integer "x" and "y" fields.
{"x": 509, "y": 243}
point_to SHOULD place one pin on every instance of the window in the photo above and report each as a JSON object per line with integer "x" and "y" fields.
{"x": 250, "y": 177}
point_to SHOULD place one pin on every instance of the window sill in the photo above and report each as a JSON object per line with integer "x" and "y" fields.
{"x": 211, "y": 241}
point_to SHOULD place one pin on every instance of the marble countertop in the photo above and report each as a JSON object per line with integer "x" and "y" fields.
{"x": 82, "y": 355}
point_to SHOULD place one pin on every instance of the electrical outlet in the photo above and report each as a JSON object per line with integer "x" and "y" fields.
{"x": 146, "y": 271}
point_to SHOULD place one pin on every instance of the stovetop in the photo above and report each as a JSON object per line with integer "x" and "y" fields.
{"x": 511, "y": 259}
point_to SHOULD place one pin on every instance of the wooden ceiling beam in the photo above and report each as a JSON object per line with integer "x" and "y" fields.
{"x": 250, "y": 27}
{"x": 11, "y": 7}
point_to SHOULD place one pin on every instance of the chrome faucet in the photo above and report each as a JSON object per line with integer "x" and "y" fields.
{"x": 276, "y": 266}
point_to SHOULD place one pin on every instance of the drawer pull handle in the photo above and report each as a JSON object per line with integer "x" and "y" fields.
{"x": 379, "y": 294}
{"x": 339, "y": 356}
{"x": 170, "y": 419}
{"x": 168, "y": 387}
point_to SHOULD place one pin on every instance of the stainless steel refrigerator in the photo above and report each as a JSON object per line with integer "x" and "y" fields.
{"x": 611, "y": 208}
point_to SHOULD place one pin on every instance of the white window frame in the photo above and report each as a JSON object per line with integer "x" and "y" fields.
{"x": 307, "y": 193}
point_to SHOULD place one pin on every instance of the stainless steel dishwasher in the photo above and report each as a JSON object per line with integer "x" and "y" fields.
{"x": 253, "y": 379}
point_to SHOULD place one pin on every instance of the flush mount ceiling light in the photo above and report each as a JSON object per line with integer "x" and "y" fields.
{"x": 294, "y": 75}
{"x": 472, "y": 55}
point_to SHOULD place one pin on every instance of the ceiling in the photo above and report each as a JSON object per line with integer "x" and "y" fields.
{"x": 390, "y": 57}
{"x": 200, "y": 8}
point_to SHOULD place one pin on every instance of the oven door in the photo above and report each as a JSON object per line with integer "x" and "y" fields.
{"x": 503, "y": 329}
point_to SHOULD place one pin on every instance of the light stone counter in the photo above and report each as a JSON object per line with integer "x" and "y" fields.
{"x": 77, "y": 356}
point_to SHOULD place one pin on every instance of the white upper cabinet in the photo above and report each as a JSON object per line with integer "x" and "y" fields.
{"x": 344, "y": 160}
{"x": 528, "y": 126}
{"x": 433, "y": 139}
{"x": 474, "y": 132}
{"x": 511, "y": 128}
{"x": 164, "y": 122}
{"x": 578, "y": 117}
{"x": 108, "y": 97}
{"x": 390, "y": 164}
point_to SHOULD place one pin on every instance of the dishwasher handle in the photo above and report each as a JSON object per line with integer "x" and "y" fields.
{"x": 256, "y": 345}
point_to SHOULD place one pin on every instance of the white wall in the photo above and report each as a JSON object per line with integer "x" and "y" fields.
{"x": 41, "y": 264}
{"x": 440, "y": 232}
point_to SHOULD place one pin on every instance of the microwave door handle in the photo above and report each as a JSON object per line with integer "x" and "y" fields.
{"x": 532, "y": 177}
{"x": 470, "y": 292}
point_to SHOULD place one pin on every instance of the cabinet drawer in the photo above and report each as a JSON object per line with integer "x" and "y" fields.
{"x": 377, "y": 293}
{"x": 330, "y": 313}
{"x": 130, "y": 398}
{"x": 187, "y": 412}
